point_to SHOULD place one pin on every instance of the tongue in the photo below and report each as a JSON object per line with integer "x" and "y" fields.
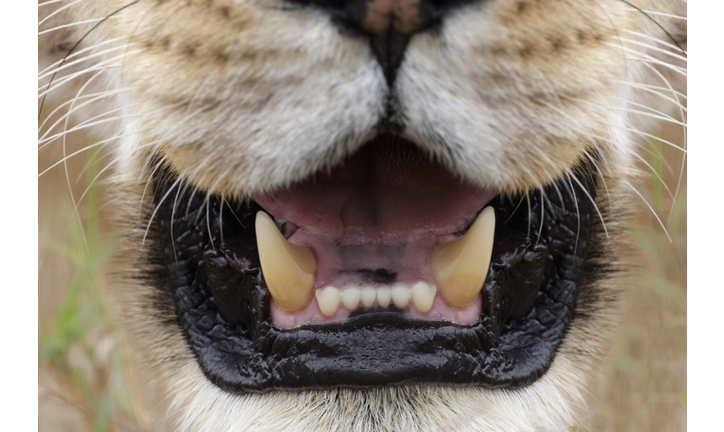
{"x": 389, "y": 194}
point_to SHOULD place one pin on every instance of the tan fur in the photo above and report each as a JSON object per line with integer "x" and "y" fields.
{"x": 243, "y": 96}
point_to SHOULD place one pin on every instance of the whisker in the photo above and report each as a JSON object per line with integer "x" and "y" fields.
{"x": 595, "y": 206}
{"x": 684, "y": 152}
{"x": 542, "y": 214}
{"x": 578, "y": 212}
{"x": 650, "y": 208}
{"x": 654, "y": 171}
{"x": 530, "y": 213}
{"x": 658, "y": 115}
{"x": 95, "y": 179}
{"x": 81, "y": 57}
{"x": 158, "y": 206}
{"x": 78, "y": 152}
{"x": 208, "y": 221}
{"x": 90, "y": 123}
{"x": 641, "y": 57}
{"x": 86, "y": 100}
{"x": 158, "y": 166}
{"x": 40, "y": 110}
{"x": 64, "y": 26}
{"x": 55, "y": 12}
{"x": 173, "y": 213}
{"x": 600, "y": 173}
{"x": 662, "y": 94}
{"x": 646, "y": 14}
{"x": 650, "y": 47}
{"x": 655, "y": 41}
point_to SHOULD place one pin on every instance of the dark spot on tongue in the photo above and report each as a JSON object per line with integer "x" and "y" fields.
{"x": 388, "y": 192}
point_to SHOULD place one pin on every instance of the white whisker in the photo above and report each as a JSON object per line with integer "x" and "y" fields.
{"x": 79, "y": 57}
{"x": 105, "y": 168}
{"x": 150, "y": 177}
{"x": 658, "y": 176}
{"x": 64, "y": 26}
{"x": 78, "y": 152}
{"x": 649, "y": 47}
{"x": 55, "y": 12}
{"x": 88, "y": 99}
{"x": 684, "y": 144}
{"x": 658, "y": 115}
{"x": 158, "y": 206}
{"x": 665, "y": 15}
{"x": 638, "y": 56}
{"x": 676, "y": 100}
{"x": 656, "y": 41}
{"x": 578, "y": 212}
{"x": 650, "y": 208}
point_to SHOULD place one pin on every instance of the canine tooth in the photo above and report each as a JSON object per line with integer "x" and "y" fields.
{"x": 350, "y": 297}
{"x": 288, "y": 268}
{"x": 423, "y": 295}
{"x": 384, "y": 296}
{"x": 401, "y": 295}
{"x": 368, "y": 295}
{"x": 328, "y": 300}
{"x": 461, "y": 265}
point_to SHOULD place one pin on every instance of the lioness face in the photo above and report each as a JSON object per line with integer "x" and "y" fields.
{"x": 379, "y": 215}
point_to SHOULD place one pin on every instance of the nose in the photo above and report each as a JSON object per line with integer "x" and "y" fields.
{"x": 388, "y": 23}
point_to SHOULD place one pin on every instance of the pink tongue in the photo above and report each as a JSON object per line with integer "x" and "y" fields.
{"x": 389, "y": 193}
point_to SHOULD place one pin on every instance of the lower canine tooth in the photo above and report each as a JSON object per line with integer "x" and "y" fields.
{"x": 328, "y": 300}
{"x": 461, "y": 265}
{"x": 288, "y": 268}
{"x": 401, "y": 295}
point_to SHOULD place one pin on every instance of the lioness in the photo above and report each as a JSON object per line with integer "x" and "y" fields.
{"x": 370, "y": 215}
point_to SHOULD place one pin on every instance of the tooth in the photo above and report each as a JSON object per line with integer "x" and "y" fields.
{"x": 461, "y": 265}
{"x": 288, "y": 268}
{"x": 350, "y": 297}
{"x": 328, "y": 300}
{"x": 384, "y": 296}
{"x": 423, "y": 295}
{"x": 368, "y": 296}
{"x": 401, "y": 295}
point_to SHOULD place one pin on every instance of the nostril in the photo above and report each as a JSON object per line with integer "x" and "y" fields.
{"x": 389, "y": 23}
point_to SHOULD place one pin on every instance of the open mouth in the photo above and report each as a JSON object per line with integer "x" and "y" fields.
{"x": 385, "y": 269}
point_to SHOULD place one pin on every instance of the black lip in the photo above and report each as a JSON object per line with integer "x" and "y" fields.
{"x": 222, "y": 303}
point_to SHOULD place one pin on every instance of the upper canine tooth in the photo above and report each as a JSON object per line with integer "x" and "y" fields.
{"x": 288, "y": 268}
{"x": 461, "y": 265}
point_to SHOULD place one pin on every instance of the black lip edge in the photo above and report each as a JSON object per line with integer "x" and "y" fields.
{"x": 227, "y": 378}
